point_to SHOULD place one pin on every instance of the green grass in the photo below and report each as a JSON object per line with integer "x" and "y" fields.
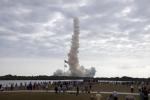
{"x": 67, "y": 96}
{"x": 113, "y": 87}
{"x": 49, "y": 96}
{"x": 109, "y": 87}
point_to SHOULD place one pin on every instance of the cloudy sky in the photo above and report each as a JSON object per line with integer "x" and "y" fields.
{"x": 35, "y": 36}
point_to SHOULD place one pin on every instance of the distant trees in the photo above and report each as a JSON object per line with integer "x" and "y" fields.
{"x": 44, "y": 77}
{"x": 40, "y": 77}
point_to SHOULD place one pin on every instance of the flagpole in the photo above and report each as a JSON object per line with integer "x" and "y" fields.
{"x": 64, "y": 68}
{"x": 65, "y": 62}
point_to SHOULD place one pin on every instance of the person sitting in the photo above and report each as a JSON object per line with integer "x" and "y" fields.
{"x": 92, "y": 97}
{"x": 98, "y": 96}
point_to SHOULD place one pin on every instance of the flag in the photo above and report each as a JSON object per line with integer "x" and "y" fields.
{"x": 66, "y": 61}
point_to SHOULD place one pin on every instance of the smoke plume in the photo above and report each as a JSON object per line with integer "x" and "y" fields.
{"x": 58, "y": 72}
{"x": 74, "y": 67}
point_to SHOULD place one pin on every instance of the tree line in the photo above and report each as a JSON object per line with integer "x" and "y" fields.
{"x": 44, "y": 77}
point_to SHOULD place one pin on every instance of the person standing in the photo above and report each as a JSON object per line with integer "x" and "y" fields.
{"x": 141, "y": 95}
{"x": 0, "y": 86}
{"x": 115, "y": 95}
{"x": 132, "y": 88}
{"x": 77, "y": 93}
{"x": 56, "y": 89}
{"x": 145, "y": 92}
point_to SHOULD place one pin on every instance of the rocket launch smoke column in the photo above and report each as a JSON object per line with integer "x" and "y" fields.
{"x": 74, "y": 67}
{"x": 73, "y": 60}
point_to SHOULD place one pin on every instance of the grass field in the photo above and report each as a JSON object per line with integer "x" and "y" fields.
{"x": 110, "y": 87}
{"x": 49, "y": 96}
{"x": 67, "y": 96}
{"x": 113, "y": 87}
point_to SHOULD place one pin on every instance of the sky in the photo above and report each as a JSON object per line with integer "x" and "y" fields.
{"x": 35, "y": 36}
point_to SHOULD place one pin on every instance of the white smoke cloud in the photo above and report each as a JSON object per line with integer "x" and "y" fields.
{"x": 59, "y": 72}
{"x": 74, "y": 67}
{"x": 84, "y": 72}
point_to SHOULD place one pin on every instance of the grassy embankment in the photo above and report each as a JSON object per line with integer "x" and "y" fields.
{"x": 49, "y": 96}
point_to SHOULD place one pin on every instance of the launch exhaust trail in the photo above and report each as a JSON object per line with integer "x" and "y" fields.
{"x": 74, "y": 67}
{"x": 73, "y": 60}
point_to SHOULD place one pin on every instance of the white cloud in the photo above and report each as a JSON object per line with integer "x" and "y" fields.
{"x": 109, "y": 29}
